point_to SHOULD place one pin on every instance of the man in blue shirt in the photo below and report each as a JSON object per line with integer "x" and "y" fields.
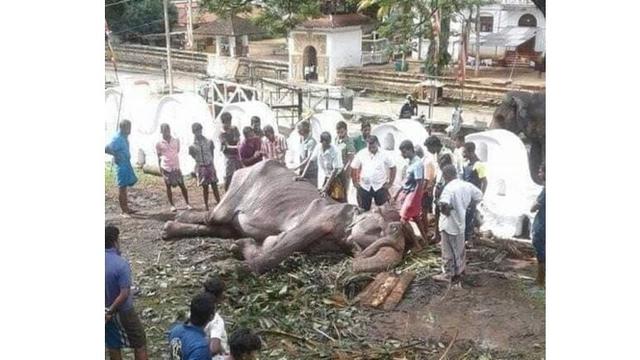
{"x": 125, "y": 177}
{"x": 188, "y": 341}
{"x": 122, "y": 326}
{"x": 538, "y": 229}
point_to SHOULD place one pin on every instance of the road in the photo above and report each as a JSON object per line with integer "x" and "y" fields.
{"x": 387, "y": 106}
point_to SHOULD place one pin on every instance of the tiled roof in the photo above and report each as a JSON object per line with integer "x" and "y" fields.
{"x": 336, "y": 21}
{"x": 233, "y": 26}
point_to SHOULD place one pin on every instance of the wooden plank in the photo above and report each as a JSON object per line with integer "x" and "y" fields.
{"x": 369, "y": 289}
{"x": 380, "y": 294}
{"x": 398, "y": 291}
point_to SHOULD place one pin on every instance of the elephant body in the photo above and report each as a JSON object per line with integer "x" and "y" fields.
{"x": 524, "y": 112}
{"x": 280, "y": 216}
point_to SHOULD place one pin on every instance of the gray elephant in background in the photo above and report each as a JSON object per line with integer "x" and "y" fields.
{"x": 523, "y": 113}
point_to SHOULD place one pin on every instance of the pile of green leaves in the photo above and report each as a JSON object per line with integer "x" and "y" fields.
{"x": 303, "y": 309}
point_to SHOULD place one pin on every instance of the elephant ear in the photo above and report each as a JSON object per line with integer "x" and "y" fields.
{"x": 521, "y": 113}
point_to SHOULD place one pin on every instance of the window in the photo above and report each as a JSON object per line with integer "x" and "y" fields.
{"x": 486, "y": 23}
{"x": 527, "y": 20}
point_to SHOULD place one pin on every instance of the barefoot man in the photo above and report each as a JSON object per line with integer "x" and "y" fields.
{"x": 457, "y": 196}
{"x": 202, "y": 153}
{"x": 411, "y": 190}
{"x": 125, "y": 177}
{"x": 168, "y": 149}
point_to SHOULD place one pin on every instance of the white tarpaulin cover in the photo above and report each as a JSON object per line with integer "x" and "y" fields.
{"x": 510, "y": 36}
{"x": 510, "y": 190}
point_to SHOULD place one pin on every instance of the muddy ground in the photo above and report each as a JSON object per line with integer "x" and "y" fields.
{"x": 302, "y": 309}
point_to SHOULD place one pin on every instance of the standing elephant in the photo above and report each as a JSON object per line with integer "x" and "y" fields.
{"x": 524, "y": 112}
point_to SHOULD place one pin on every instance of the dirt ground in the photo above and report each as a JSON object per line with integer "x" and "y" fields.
{"x": 300, "y": 308}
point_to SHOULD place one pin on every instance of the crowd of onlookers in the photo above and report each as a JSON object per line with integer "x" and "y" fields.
{"x": 202, "y": 337}
{"x": 438, "y": 183}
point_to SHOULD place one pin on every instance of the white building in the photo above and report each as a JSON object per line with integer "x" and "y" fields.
{"x": 319, "y": 47}
{"x": 510, "y": 30}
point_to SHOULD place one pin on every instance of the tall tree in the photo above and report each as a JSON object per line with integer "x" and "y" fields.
{"x": 280, "y": 16}
{"x": 137, "y": 17}
{"x": 401, "y": 25}
{"x": 224, "y": 8}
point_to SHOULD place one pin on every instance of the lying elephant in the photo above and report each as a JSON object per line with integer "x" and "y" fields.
{"x": 286, "y": 216}
{"x": 524, "y": 112}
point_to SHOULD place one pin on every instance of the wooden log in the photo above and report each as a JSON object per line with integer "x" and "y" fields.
{"x": 515, "y": 248}
{"x": 398, "y": 291}
{"x": 369, "y": 289}
{"x": 381, "y": 293}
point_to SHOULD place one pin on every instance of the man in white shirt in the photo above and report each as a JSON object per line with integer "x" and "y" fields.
{"x": 369, "y": 174}
{"x": 458, "y": 155}
{"x": 329, "y": 160}
{"x": 454, "y": 201}
{"x": 432, "y": 174}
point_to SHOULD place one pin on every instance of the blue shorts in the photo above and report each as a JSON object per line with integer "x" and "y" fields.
{"x": 124, "y": 330}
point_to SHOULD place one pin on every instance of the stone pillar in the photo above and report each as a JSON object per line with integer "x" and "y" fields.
{"x": 245, "y": 44}
{"x": 232, "y": 46}
{"x": 218, "y": 45}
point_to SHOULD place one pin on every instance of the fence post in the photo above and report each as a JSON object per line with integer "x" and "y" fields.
{"x": 326, "y": 106}
{"x": 299, "y": 105}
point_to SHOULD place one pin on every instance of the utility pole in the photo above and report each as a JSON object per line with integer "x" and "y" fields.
{"x": 477, "y": 41}
{"x": 168, "y": 39}
{"x": 189, "y": 26}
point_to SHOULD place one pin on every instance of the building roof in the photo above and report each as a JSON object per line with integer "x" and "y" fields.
{"x": 336, "y": 21}
{"x": 233, "y": 26}
{"x": 509, "y": 36}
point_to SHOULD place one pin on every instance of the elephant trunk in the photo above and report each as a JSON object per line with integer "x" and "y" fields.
{"x": 386, "y": 258}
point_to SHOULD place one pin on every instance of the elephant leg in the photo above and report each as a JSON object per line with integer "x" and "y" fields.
{"x": 192, "y": 217}
{"x": 177, "y": 230}
{"x": 535, "y": 159}
{"x": 385, "y": 258}
{"x": 262, "y": 259}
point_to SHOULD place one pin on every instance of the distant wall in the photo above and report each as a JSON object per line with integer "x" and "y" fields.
{"x": 152, "y": 56}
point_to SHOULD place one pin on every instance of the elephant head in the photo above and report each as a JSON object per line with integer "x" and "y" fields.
{"x": 377, "y": 240}
{"x": 512, "y": 114}
{"x": 523, "y": 112}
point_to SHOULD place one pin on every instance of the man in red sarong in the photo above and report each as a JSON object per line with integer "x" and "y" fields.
{"x": 410, "y": 194}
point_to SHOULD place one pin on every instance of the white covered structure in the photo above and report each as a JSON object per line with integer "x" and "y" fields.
{"x": 320, "y": 122}
{"x": 241, "y": 114}
{"x": 147, "y": 110}
{"x": 392, "y": 134}
{"x": 510, "y": 190}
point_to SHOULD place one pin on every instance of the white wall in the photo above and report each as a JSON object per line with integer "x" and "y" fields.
{"x": 290, "y": 47}
{"x": 344, "y": 48}
{"x": 501, "y": 18}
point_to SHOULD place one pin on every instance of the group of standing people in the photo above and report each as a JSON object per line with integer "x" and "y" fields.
{"x": 258, "y": 144}
{"x": 202, "y": 337}
{"x": 443, "y": 183}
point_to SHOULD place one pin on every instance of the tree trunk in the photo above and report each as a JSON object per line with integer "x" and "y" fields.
{"x": 477, "y": 69}
{"x": 444, "y": 56}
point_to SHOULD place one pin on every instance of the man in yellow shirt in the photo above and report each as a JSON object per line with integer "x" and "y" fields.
{"x": 474, "y": 172}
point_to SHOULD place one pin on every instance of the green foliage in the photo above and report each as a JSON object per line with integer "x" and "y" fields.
{"x": 226, "y": 8}
{"x": 138, "y": 17}
{"x": 280, "y": 16}
{"x": 399, "y": 26}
